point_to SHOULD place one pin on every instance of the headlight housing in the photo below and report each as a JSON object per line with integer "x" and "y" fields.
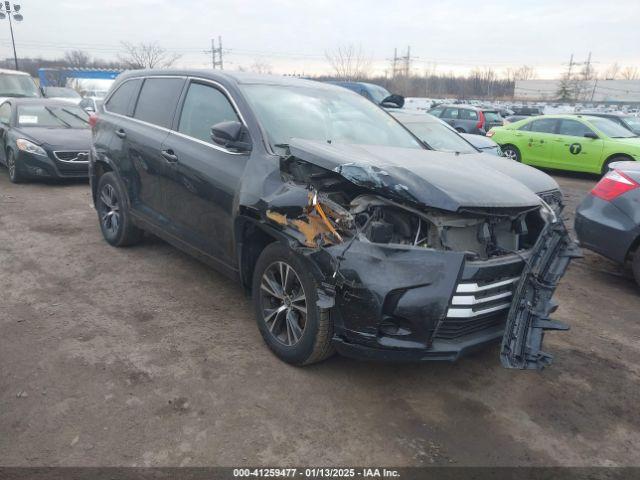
{"x": 30, "y": 147}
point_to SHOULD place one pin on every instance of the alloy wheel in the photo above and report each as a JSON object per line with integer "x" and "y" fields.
{"x": 109, "y": 209}
{"x": 284, "y": 303}
{"x": 11, "y": 165}
{"x": 510, "y": 153}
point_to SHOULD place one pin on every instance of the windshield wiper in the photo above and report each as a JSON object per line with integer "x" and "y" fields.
{"x": 52, "y": 113}
{"x": 75, "y": 115}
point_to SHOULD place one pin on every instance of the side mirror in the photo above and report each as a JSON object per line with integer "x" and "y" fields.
{"x": 393, "y": 101}
{"x": 591, "y": 135}
{"x": 232, "y": 135}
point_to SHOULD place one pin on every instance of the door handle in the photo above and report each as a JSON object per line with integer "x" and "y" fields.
{"x": 121, "y": 133}
{"x": 541, "y": 141}
{"x": 169, "y": 156}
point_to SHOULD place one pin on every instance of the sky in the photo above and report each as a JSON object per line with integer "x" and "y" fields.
{"x": 293, "y": 36}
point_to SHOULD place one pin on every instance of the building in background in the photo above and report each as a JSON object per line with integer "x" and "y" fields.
{"x": 596, "y": 91}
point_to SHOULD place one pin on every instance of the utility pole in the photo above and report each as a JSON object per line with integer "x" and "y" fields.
{"x": 11, "y": 12}
{"x": 407, "y": 62}
{"x": 394, "y": 63}
{"x": 216, "y": 54}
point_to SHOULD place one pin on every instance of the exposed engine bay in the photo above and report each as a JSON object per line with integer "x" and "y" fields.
{"x": 328, "y": 210}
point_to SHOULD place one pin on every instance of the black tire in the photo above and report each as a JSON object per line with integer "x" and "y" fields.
{"x": 635, "y": 266}
{"x": 280, "y": 313}
{"x": 605, "y": 165}
{"x": 460, "y": 130}
{"x": 15, "y": 175}
{"x": 113, "y": 214}
{"x": 511, "y": 152}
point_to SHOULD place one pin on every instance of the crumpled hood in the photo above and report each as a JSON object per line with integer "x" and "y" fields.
{"x": 435, "y": 179}
{"x": 60, "y": 138}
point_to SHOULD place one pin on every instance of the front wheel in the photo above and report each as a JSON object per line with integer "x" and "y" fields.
{"x": 285, "y": 301}
{"x": 113, "y": 214}
{"x": 511, "y": 152}
{"x": 15, "y": 175}
{"x": 636, "y": 266}
{"x": 605, "y": 165}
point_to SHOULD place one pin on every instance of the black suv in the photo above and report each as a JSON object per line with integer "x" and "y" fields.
{"x": 348, "y": 232}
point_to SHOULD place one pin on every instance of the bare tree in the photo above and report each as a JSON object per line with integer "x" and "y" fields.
{"x": 261, "y": 67}
{"x": 349, "y": 62}
{"x": 612, "y": 72}
{"x": 77, "y": 58}
{"x": 630, "y": 73}
{"x": 146, "y": 55}
{"x": 525, "y": 72}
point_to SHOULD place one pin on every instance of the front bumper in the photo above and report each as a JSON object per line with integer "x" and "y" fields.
{"x": 39, "y": 166}
{"x": 605, "y": 229}
{"x": 397, "y": 303}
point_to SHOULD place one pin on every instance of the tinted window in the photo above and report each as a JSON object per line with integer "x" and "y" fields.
{"x": 544, "y": 125}
{"x": 573, "y": 128}
{"x": 157, "y": 100}
{"x": 5, "y": 113}
{"x": 468, "y": 114}
{"x": 492, "y": 116}
{"x": 436, "y": 111}
{"x": 526, "y": 126}
{"x": 450, "y": 113}
{"x": 204, "y": 106}
{"x": 120, "y": 101}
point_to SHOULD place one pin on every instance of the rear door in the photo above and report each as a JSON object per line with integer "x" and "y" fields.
{"x": 451, "y": 116}
{"x": 537, "y": 147}
{"x": 573, "y": 151}
{"x": 153, "y": 116}
{"x": 205, "y": 177}
{"x": 468, "y": 120}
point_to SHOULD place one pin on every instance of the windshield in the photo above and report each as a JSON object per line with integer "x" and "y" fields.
{"x": 438, "y": 136}
{"x": 52, "y": 116}
{"x": 634, "y": 124}
{"x": 61, "y": 92}
{"x": 610, "y": 128}
{"x": 18, "y": 86}
{"x": 329, "y": 115}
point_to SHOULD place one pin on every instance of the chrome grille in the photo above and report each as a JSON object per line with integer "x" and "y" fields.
{"x": 477, "y": 306}
{"x": 81, "y": 156}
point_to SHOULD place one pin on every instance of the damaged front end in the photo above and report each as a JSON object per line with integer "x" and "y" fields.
{"x": 409, "y": 280}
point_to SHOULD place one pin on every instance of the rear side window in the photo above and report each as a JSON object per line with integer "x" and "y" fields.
{"x": 204, "y": 106}
{"x": 573, "y": 128}
{"x": 121, "y": 100}
{"x": 450, "y": 113}
{"x": 544, "y": 125}
{"x": 468, "y": 115}
{"x": 5, "y": 113}
{"x": 157, "y": 101}
{"x": 436, "y": 111}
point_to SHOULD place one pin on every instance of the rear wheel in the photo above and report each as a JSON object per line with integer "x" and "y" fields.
{"x": 15, "y": 175}
{"x": 606, "y": 165}
{"x": 113, "y": 215}
{"x": 512, "y": 153}
{"x": 284, "y": 297}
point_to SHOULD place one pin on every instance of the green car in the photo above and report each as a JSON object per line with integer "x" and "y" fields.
{"x": 568, "y": 142}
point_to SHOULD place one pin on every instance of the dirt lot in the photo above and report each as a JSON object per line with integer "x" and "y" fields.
{"x": 143, "y": 356}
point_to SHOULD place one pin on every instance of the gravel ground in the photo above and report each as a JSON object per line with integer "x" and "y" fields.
{"x": 143, "y": 356}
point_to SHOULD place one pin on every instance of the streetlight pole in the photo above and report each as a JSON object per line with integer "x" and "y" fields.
{"x": 12, "y": 12}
